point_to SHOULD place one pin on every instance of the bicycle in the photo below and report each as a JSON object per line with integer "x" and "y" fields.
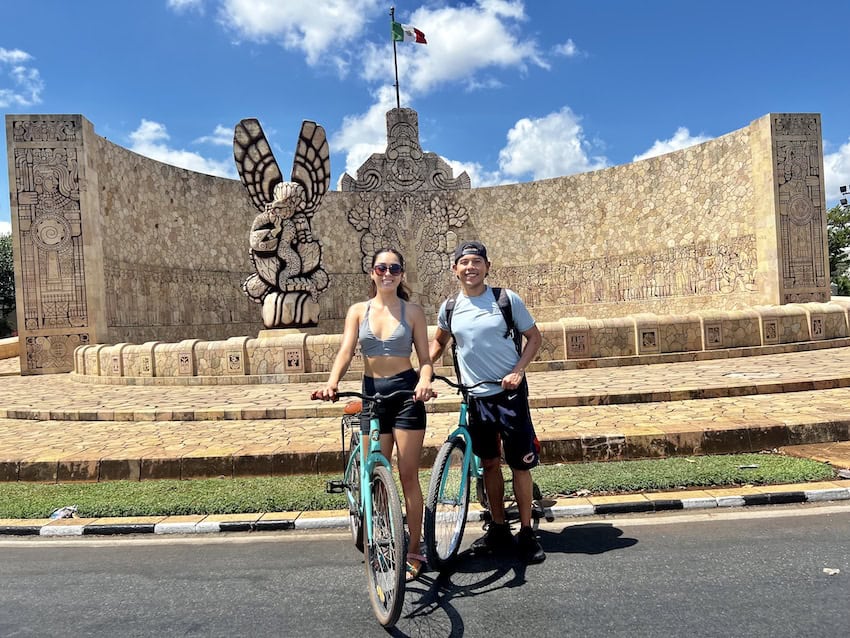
{"x": 374, "y": 508}
{"x": 447, "y": 500}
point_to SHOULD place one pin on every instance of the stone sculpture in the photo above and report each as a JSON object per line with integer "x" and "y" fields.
{"x": 287, "y": 258}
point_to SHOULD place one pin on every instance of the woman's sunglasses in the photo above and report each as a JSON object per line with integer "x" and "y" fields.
{"x": 381, "y": 269}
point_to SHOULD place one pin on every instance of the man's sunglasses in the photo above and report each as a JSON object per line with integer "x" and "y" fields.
{"x": 381, "y": 269}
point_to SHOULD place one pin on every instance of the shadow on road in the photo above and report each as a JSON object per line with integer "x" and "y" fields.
{"x": 587, "y": 538}
{"x": 429, "y": 602}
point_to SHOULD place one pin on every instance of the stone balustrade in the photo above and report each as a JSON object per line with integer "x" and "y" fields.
{"x": 277, "y": 356}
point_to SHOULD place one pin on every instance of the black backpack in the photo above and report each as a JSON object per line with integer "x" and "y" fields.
{"x": 511, "y": 332}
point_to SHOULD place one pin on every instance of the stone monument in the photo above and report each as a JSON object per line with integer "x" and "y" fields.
{"x": 287, "y": 258}
{"x": 406, "y": 201}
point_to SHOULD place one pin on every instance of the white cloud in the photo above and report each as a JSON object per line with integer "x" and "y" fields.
{"x": 221, "y": 136}
{"x": 311, "y": 26}
{"x": 361, "y": 135}
{"x": 836, "y": 172}
{"x": 477, "y": 175}
{"x": 26, "y": 84}
{"x": 568, "y": 49}
{"x": 5, "y": 228}
{"x": 186, "y": 5}
{"x": 150, "y": 140}
{"x": 463, "y": 42}
{"x": 14, "y": 56}
{"x": 682, "y": 138}
{"x": 551, "y": 146}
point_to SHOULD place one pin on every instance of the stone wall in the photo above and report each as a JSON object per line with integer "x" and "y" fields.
{"x": 174, "y": 250}
{"x": 112, "y": 247}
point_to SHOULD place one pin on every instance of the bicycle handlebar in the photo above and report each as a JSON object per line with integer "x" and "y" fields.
{"x": 461, "y": 386}
{"x": 377, "y": 398}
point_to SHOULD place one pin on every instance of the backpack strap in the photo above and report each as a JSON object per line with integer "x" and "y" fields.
{"x": 450, "y": 306}
{"x": 511, "y": 331}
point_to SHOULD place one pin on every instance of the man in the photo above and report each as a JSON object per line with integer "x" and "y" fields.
{"x": 499, "y": 417}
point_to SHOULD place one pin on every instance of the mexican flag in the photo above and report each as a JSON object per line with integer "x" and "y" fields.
{"x": 407, "y": 33}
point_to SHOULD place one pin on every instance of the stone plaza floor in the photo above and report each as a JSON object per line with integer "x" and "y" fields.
{"x": 56, "y": 428}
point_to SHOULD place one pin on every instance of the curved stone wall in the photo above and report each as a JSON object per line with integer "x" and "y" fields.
{"x": 112, "y": 247}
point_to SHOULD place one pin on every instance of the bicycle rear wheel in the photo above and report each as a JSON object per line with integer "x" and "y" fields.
{"x": 352, "y": 487}
{"x": 446, "y": 505}
{"x": 385, "y": 558}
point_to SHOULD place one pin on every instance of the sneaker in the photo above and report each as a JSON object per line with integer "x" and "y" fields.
{"x": 528, "y": 546}
{"x": 497, "y": 538}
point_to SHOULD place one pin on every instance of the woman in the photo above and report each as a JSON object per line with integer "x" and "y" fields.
{"x": 388, "y": 326}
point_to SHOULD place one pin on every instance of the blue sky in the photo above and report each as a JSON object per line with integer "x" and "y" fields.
{"x": 508, "y": 90}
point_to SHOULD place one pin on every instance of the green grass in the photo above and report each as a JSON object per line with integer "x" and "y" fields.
{"x": 295, "y": 493}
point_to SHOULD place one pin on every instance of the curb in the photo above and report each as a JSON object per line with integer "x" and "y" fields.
{"x": 316, "y": 520}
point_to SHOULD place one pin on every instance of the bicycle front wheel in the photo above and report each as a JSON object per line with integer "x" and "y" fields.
{"x": 385, "y": 559}
{"x": 447, "y": 504}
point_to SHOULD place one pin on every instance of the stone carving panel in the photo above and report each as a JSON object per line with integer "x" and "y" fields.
{"x": 404, "y": 166}
{"x": 697, "y": 269}
{"x": 52, "y": 353}
{"x": 802, "y": 219}
{"x": 48, "y": 210}
{"x": 422, "y": 228}
{"x": 406, "y": 203}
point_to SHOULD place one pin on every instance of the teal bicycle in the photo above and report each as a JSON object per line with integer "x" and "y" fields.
{"x": 374, "y": 508}
{"x": 447, "y": 500}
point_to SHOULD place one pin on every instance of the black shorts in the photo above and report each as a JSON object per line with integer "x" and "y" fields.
{"x": 400, "y": 412}
{"x": 504, "y": 420}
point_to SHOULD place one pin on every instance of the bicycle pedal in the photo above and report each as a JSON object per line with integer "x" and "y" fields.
{"x": 335, "y": 487}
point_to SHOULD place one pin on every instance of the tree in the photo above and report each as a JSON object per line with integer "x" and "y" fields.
{"x": 838, "y": 235}
{"x": 7, "y": 282}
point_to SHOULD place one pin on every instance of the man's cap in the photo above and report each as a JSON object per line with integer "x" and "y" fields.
{"x": 470, "y": 248}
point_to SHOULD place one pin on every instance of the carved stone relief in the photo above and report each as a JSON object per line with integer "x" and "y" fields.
{"x": 406, "y": 203}
{"x": 48, "y": 211}
{"x": 805, "y": 275}
{"x": 52, "y": 352}
{"x": 422, "y": 228}
{"x": 697, "y": 269}
{"x": 404, "y": 167}
{"x": 45, "y": 196}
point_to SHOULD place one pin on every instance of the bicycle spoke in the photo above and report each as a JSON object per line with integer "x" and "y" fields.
{"x": 385, "y": 564}
{"x": 447, "y": 504}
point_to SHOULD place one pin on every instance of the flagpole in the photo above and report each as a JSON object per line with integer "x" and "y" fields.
{"x": 395, "y": 61}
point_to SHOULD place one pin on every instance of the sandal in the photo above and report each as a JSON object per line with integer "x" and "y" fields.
{"x": 415, "y": 564}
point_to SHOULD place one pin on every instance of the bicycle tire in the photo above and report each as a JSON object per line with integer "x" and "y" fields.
{"x": 447, "y": 505}
{"x": 385, "y": 556}
{"x": 352, "y": 486}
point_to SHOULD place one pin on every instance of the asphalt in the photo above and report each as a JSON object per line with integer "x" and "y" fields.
{"x": 57, "y": 428}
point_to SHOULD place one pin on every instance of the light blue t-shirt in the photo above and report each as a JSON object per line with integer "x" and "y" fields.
{"x": 478, "y": 328}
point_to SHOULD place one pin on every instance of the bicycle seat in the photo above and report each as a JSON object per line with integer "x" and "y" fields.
{"x": 353, "y": 407}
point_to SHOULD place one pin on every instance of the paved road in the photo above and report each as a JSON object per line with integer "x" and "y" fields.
{"x": 734, "y": 573}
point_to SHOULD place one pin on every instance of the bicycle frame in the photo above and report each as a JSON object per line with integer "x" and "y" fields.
{"x": 472, "y": 467}
{"x": 368, "y": 460}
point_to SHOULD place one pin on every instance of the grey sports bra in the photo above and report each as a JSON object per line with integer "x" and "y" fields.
{"x": 398, "y": 344}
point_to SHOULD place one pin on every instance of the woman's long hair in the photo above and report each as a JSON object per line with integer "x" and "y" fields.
{"x": 403, "y": 291}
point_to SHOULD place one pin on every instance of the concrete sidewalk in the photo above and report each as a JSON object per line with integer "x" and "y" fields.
{"x": 54, "y": 428}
